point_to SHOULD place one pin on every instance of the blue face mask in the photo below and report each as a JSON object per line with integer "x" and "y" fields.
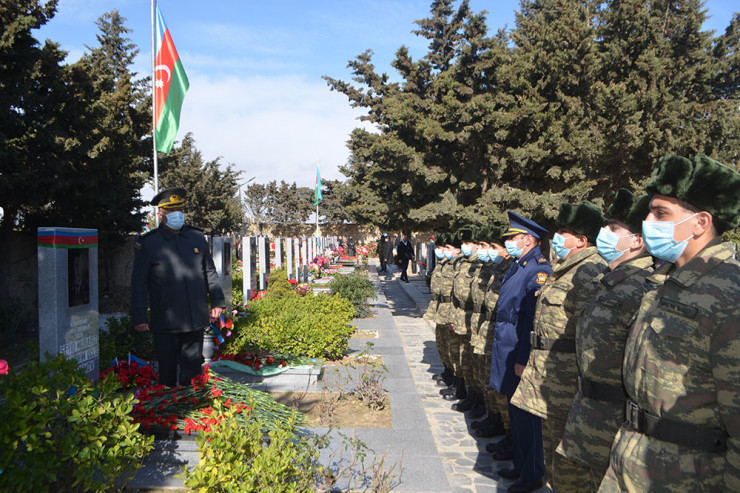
{"x": 606, "y": 244}
{"x": 558, "y": 246}
{"x": 483, "y": 255}
{"x": 494, "y": 256}
{"x": 175, "y": 220}
{"x": 658, "y": 238}
{"x": 513, "y": 249}
{"x": 466, "y": 250}
{"x": 439, "y": 253}
{"x": 448, "y": 255}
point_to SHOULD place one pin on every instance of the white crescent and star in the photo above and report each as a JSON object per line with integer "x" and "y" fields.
{"x": 165, "y": 68}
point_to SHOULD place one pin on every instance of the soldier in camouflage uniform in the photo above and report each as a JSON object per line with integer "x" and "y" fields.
{"x": 682, "y": 357}
{"x": 444, "y": 313}
{"x": 597, "y": 411}
{"x": 462, "y": 313}
{"x": 440, "y": 331}
{"x": 548, "y": 382}
{"x": 490, "y": 278}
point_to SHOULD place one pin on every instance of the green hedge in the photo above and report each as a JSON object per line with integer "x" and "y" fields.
{"x": 355, "y": 287}
{"x": 314, "y": 326}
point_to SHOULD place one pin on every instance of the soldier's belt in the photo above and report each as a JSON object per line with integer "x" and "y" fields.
{"x": 467, "y": 306}
{"x": 600, "y": 391}
{"x": 479, "y": 308}
{"x": 549, "y": 344}
{"x": 445, "y": 299}
{"x": 686, "y": 434}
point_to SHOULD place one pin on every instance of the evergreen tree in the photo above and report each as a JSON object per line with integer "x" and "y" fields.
{"x": 34, "y": 126}
{"x": 212, "y": 192}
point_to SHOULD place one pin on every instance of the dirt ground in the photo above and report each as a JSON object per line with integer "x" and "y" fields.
{"x": 328, "y": 409}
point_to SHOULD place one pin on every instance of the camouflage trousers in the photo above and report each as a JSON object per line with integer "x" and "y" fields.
{"x": 495, "y": 402}
{"x": 440, "y": 338}
{"x": 467, "y": 364}
{"x": 565, "y": 475}
{"x": 453, "y": 352}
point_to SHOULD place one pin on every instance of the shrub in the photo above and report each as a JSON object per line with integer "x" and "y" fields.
{"x": 355, "y": 287}
{"x": 314, "y": 326}
{"x": 278, "y": 285}
{"x": 237, "y": 457}
{"x": 119, "y": 338}
{"x": 59, "y": 432}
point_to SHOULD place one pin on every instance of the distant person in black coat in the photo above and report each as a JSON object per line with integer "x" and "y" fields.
{"x": 405, "y": 252}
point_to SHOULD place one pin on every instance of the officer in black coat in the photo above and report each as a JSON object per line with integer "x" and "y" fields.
{"x": 174, "y": 272}
{"x": 405, "y": 252}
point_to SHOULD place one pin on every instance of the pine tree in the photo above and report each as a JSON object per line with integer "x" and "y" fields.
{"x": 212, "y": 192}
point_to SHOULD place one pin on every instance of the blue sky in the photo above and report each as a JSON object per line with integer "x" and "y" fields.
{"x": 256, "y": 96}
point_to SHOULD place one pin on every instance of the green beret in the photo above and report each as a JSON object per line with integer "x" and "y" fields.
{"x": 454, "y": 239}
{"x": 585, "y": 219}
{"x": 629, "y": 209}
{"x": 703, "y": 183}
{"x": 467, "y": 233}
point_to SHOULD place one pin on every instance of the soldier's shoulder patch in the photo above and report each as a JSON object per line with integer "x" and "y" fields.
{"x": 541, "y": 260}
{"x": 137, "y": 245}
{"x": 542, "y": 278}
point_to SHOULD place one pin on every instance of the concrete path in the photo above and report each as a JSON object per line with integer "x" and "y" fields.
{"x": 433, "y": 444}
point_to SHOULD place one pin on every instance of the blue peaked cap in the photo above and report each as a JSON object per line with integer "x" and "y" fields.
{"x": 522, "y": 225}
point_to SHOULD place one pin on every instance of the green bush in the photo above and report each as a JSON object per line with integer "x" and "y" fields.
{"x": 119, "y": 338}
{"x": 314, "y": 326}
{"x": 238, "y": 457}
{"x": 59, "y": 432}
{"x": 278, "y": 285}
{"x": 355, "y": 287}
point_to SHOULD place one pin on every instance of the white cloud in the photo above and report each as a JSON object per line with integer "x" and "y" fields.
{"x": 273, "y": 128}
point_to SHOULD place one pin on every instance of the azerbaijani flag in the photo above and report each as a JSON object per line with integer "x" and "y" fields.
{"x": 317, "y": 195}
{"x": 170, "y": 86}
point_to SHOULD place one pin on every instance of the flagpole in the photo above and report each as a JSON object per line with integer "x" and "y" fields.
{"x": 317, "y": 198}
{"x": 154, "y": 133}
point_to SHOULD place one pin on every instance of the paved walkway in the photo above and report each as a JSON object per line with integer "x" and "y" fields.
{"x": 433, "y": 443}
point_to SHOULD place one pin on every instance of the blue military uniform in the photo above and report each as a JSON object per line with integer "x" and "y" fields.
{"x": 514, "y": 321}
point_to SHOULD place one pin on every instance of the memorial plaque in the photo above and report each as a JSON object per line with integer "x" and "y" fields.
{"x": 289, "y": 258}
{"x": 297, "y": 258}
{"x": 222, "y": 259}
{"x": 263, "y": 244}
{"x": 68, "y": 295}
{"x": 278, "y": 253}
{"x": 249, "y": 265}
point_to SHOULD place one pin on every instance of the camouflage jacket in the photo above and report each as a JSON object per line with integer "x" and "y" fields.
{"x": 462, "y": 298}
{"x": 478, "y": 296}
{"x": 601, "y": 333}
{"x": 435, "y": 286}
{"x": 445, "y": 311}
{"x": 484, "y": 339}
{"x": 682, "y": 361}
{"x": 548, "y": 383}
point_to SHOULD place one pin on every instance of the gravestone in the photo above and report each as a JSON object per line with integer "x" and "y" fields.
{"x": 278, "y": 253}
{"x": 68, "y": 295}
{"x": 264, "y": 260}
{"x": 422, "y": 258}
{"x": 297, "y": 258}
{"x": 289, "y": 258}
{"x": 222, "y": 258}
{"x": 249, "y": 266}
{"x": 311, "y": 254}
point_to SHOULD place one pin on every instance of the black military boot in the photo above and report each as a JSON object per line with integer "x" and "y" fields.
{"x": 502, "y": 447}
{"x": 451, "y": 389}
{"x": 493, "y": 427}
{"x": 479, "y": 409}
{"x": 441, "y": 374}
{"x": 466, "y": 404}
{"x": 460, "y": 391}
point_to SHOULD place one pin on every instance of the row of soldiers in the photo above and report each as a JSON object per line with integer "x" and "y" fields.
{"x": 616, "y": 367}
